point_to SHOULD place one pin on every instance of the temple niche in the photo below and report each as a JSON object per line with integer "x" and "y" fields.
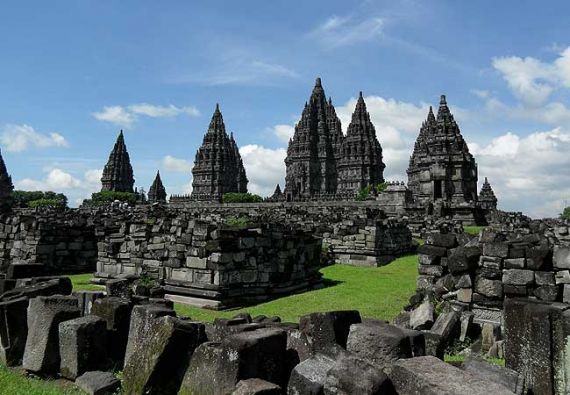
{"x": 218, "y": 167}
{"x": 118, "y": 172}
{"x": 441, "y": 169}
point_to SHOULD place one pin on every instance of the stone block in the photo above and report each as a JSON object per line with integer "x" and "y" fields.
{"x": 98, "y": 383}
{"x": 13, "y": 330}
{"x": 120, "y": 288}
{"x": 142, "y": 319}
{"x": 25, "y": 270}
{"x": 562, "y": 277}
{"x": 309, "y": 377}
{"x": 544, "y": 278}
{"x": 501, "y": 375}
{"x": 538, "y": 257}
{"x": 328, "y": 329}
{"x": 489, "y": 288}
{"x": 497, "y": 249}
{"x": 446, "y": 325}
{"x": 431, "y": 376}
{"x": 422, "y": 317}
{"x": 566, "y": 293}
{"x": 45, "y": 313}
{"x": 82, "y": 346}
{"x": 430, "y": 250}
{"x": 515, "y": 263}
{"x": 462, "y": 259}
{"x": 518, "y": 277}
{"x": 548, "y": 293}
{"x": 257, "y": 387}
{"x": 117, "y": 313}
{"x": 353, "y": 375}
{"x": 561, "y": 257}
{"x": 378, "y": 343}
{"x": 160, "y": 362}
{"x": 465, "y": 295}
{"x": 256, "y": 354}
{"x": 424, "y": 259}
{"x": 445, "y": 240}
{"x": 86, "y": 300}
{"x": 491, "y": 262}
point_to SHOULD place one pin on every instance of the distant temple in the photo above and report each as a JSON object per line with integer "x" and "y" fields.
{"x": 487, "y": 198}
{"x": 441, "y": 168}
{"x": 324, "y": 164}
{"x": 157, "y": 192}
{"x": 218, "y": 167}
{"x": 6, "y": 186}
{"x": 118, "y": 172}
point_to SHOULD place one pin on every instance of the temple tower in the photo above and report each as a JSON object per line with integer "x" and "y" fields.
{"x": 157, "y": 192}
{"x": 441, "y": 167}
{"x": 487, "y": 198}
{"x": 360, "y": 162}
{"x": 118, "y": 172}
{"x": 6, "y": 186}
{"x": 313, "y": 151}
{"x": 218, "y": 167}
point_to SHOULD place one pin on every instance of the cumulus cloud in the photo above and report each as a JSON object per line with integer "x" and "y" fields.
{"x": 531, "y": 80}
{"x": 342, "y": 31}
{"x": 18, "y": 138}
{"x": 116, "y": 115}
{"x": 265, "y": 168}
{"x": 528, "y": 173}
{"x": 127, "y": 116}
{"x": 283, "y": 132}
{"x": 56, "y": 180}
{"x": 169, "y": 111}
{"x": 177, "y": 165}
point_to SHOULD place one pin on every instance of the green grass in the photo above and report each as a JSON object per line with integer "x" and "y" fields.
{"x": 81, "y": 282}
{"x": 473, "y": 230}
{"x": 458, "y": 358}
{"x": 16, "y": 383}
{"x": 376, "y": 292}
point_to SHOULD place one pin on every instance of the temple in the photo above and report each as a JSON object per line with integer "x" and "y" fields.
{"x": 218, "y": 167}
{"x": 441, "y": 169}
{"x": 323, "y": 164}
{"x": 360, "y": 164}
{"x": 487, "y": 198}
{"x": 118, "y": 172}
{"x": 6, "y": 186}
{"x": 157, "y": 192}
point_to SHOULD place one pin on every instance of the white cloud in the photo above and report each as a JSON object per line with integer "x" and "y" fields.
{"x": 533, "y": 81}
{"x": 116, "y": 115}
{"x": 18, "y": 138}
{"x": 265, "y": 168}
{"x": 169, "y": 111}
{"x": 528, "y": 173}
{"x": 283, "y": 132}
{"x": 127, "y": 116}
{"x": 55, "y": 180}
{"x": 177, "y": 165}
{"x": 342, "y": 31}
{"x": 241, "y": 70}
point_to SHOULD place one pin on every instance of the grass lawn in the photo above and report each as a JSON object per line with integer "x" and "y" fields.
{"x": 15, "y": 383}
{"x": 376, "y": 292}
{"x": 81, "y": 282}
{"x": 473, "y": 230}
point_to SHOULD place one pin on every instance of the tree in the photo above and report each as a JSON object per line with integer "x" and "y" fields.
{"x": 24, "y": 199}
{"x": 566, "y": 213}
{"x": 234, "y": 197}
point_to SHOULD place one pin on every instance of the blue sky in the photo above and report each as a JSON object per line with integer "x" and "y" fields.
{"x": 75, "y": 72}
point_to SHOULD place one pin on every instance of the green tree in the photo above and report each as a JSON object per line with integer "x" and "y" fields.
{"x": 566, "y": 213}
{"x": 233, "y": 197}
{"x": 25, "y": 199}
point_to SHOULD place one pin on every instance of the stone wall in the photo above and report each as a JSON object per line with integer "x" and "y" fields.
{"x": 61, "y": 241}
{"x": 479, "y": 273}
{"x": 232, "y": 264}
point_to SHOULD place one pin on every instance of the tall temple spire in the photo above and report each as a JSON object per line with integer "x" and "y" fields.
{"x": 157, "y": 192}
{"x": 313, "y": 151}
{"x": 361, "y": 162}
{"x": 441, "y": 167}
{"x": 118, "y": 172}
{"x": 6, "y": 186}
{"x": 218, "y": 167}
{"x": 487, "y": 198}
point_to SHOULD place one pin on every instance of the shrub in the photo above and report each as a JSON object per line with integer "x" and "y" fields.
{"x": 363, "y": 194}
{"x": 238, "y": 222}
{"x": 566, "y": 213}
{"x": 234, "y": 197}
{"x": 105, "y": 197}
{"x": 25, "y": 199}
{"x": 381, "y": 187}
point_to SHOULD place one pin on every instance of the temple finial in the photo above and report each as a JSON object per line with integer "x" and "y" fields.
{"x": 318, "y": 82}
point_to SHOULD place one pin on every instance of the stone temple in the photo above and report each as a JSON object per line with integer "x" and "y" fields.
{"x": 441, "y": 169}
{"x": 323, "y": 164}
{"x": 487, "y": 198}
{"x": 6, "y": 186}
{"x": 157, "y": 192}
{"x": 218, "y": 167}
{"x": 118, "y": 172}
